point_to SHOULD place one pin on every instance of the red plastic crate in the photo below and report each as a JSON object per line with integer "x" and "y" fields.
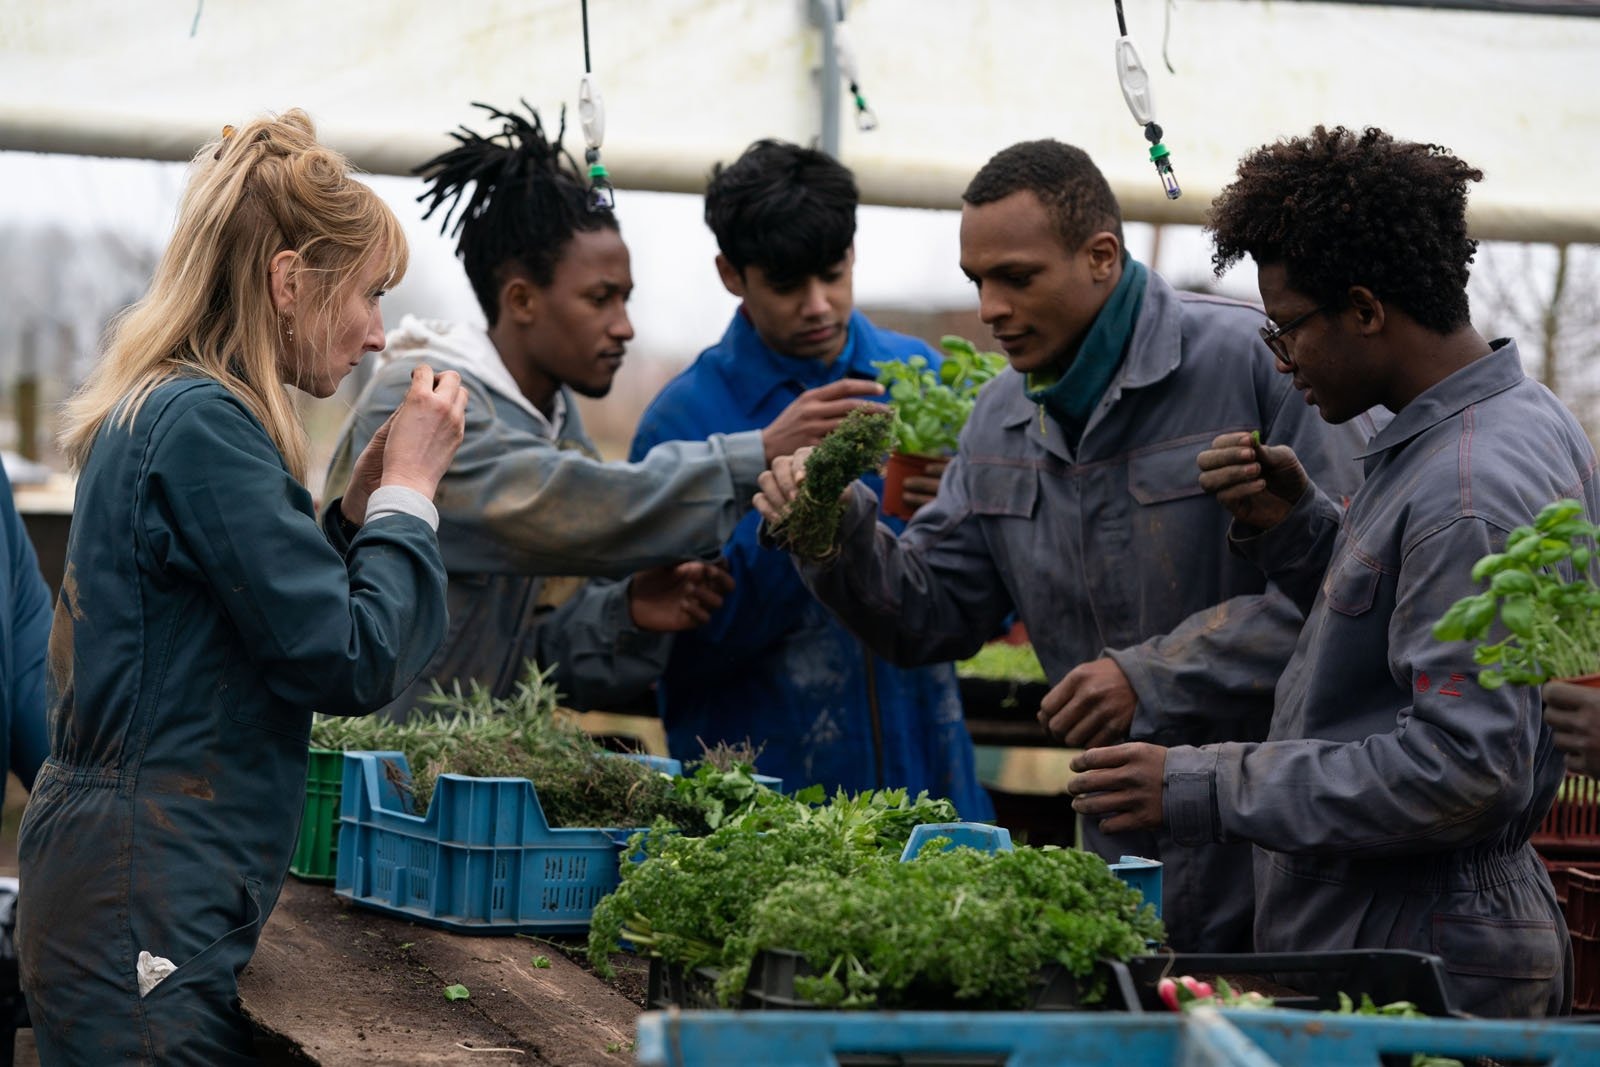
{"x": 1560, "y": 870}
{"x": 1574, "y": 819}
{"x": 1583, "y": 921}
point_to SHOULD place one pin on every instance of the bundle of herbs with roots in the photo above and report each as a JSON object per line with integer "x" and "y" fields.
{"x": 526, "y": 735}
{"x": 858, "y": 445}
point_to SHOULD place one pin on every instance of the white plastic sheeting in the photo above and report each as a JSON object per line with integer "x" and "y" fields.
{"x": 688, "y": 82}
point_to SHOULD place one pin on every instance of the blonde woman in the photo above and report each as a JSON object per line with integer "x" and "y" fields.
{"x": 205, "y": 612}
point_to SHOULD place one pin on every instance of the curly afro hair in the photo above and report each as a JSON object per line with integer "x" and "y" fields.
{"x": 1339, "y": 208}
{"x": 1064, "y": 179}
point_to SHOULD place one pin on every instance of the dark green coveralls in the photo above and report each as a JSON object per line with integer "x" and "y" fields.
{"x": 203, "y": 615}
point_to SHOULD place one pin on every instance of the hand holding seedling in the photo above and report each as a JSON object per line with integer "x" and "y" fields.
{"x": 366, "y": 475}
{"x": 802, "y": 496}
{"x": 779, "y": 485}
{"x": 920, "y": 489}
{"x": 1121, "y": 786}
{"x": 812, "y": 414}
{"x": 1573, "y": 713}
{"x": 1258, "y": 483}
{"x": 425, "y": 431}
{"x": 678, "y": 596}
{"x": 431, "y": 420}
{"x": 1092, "y": 706}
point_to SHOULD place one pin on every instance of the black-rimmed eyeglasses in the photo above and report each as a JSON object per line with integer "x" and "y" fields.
{"x": 1274, "y": 335}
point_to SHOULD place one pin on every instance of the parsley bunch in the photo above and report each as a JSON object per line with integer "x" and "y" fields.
{"x": 957, "y": 929}
{"x": 691, "y": 895}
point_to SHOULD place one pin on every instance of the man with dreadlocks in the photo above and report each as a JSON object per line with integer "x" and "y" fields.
{"x": 1392, "y": 802}
{"x": 528, "y": 497}
{"x": 772, "y": 665}
{"x": 1072, "y": 501}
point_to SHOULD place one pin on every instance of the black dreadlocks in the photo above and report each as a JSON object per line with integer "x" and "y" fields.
{"x": 528, "y": 200}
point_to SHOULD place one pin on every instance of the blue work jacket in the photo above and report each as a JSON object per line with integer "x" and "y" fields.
{"x": 1392, "y": 802}
{"x": 772, "y": 665}
{"x": 203, "y": 615}
{"x": 1112, "y": 548}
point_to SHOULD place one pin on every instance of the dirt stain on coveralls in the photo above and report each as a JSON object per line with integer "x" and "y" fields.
{"x": 67, "y": 613}
{"x": 153, "y": 810}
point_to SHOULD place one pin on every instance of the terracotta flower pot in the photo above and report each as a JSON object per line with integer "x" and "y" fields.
{"x": 1590, "y": 681}
{"x": 901, "y": 466}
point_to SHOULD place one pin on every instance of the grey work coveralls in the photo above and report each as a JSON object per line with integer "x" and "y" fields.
{"x": 518, "y": 508}
{"x": 203, "y": 615}
{"x": 1111, "y": 546}
{"x": 1393, "y": 800}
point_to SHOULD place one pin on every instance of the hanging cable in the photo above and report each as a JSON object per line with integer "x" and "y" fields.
{"x": 1166, "y": 36}
{"x": 844, "y": 49}
{"x": 1136, "y": 91}
{"x": 592, "y": 117}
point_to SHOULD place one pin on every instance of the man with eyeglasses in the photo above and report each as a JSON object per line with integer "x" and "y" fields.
{"x": 1391, "y": 804}
{"x": 1073, "y": 501}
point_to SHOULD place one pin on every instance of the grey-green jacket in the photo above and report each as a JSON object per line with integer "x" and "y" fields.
{"x": 527, "y": 511}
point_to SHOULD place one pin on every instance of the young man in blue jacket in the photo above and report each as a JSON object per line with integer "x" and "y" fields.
{"x": 1391, "y": 804}
{"x": 1073, "y": 501}
{"x": 772, "y": 666}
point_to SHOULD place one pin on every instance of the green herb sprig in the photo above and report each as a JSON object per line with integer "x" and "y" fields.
{"x": 1540, "y": 590}
{"x": 524, "y": 735}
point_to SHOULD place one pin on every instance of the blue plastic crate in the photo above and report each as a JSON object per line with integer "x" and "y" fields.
{"x": 1002, "y": 1039}
{"x": 1144, "y": 875}
{"x": 1317, "y": 1040}
{"x": 1205, "y": 1038}
{"x": 1138, "y": 872}
{"x": 484, "y": 860}
{"x": 975, "y": 835}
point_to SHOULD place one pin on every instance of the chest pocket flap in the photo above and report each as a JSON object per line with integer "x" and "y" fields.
{"x": 1003, "y": 490}
{"x": 1350, "y": 585}
{"x": 1166, "y": 472}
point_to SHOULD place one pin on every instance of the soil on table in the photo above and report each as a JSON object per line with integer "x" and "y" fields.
{"x": 334, "y": 984}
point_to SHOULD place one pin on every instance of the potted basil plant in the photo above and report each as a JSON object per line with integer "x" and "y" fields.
{"x": 931, "y": 406}
{"x": 1541, "y": 590}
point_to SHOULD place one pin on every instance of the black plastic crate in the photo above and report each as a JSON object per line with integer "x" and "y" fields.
{"x": 671, "y": 985}
{"x": 1316, "y": 978}
{"x": 770, "y": 987}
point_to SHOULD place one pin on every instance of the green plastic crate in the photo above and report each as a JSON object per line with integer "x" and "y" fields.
{"x": 316, "y": 853}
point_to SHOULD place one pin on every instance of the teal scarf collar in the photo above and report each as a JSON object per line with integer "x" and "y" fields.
{"x": 1071, "y": 396}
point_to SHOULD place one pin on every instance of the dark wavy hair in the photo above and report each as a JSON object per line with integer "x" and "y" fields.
{"x": 528, "y": 200}
{"x": 1340, "y": 208}
{"x": 1064, "y": 179}
{"x": 789, "y": 210}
